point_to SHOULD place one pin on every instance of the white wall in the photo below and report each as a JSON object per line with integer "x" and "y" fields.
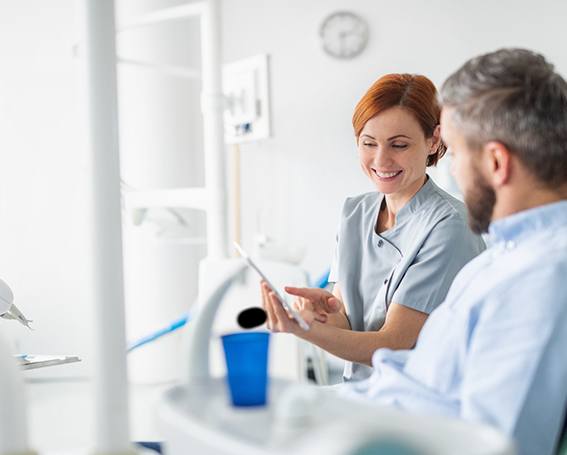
{"x": 299, "y": 179}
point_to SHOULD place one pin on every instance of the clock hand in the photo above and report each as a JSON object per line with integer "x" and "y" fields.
{"x": 342, "y": 37}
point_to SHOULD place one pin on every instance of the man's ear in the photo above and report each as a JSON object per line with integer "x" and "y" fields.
{"x": 497, "y": 162}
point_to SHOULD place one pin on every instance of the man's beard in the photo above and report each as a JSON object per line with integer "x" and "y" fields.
{"x": 480, "y": 201}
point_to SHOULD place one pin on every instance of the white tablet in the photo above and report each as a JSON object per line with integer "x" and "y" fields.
{"x": 294, "y": 314}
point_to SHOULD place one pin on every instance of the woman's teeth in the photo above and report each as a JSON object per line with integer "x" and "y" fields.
{"x": 386, "y": 175}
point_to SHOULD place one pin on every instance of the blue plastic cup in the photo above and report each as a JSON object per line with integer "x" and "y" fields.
{"x": 246, "y": 355}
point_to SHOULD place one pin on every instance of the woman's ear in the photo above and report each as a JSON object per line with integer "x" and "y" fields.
{"x": 435, "y": 140}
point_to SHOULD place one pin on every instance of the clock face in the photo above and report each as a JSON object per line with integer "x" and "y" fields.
{"x": 344, "y": 34}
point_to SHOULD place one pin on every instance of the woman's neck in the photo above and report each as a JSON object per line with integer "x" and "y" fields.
{"x": 393, "y": 203}
{"x": 386, "y": 219}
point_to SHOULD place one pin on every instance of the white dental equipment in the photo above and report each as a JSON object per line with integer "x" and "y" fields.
{"x": 8, "y": 310}
{"x": 294, "y": 314}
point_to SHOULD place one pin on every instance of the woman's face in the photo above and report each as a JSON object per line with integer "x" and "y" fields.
{"x": 393, "y": 151}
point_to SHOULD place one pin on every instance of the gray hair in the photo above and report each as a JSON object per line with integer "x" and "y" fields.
{"x": 515, "y": 97}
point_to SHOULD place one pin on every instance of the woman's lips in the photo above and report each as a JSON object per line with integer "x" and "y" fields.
{"x": 387, "y": 176}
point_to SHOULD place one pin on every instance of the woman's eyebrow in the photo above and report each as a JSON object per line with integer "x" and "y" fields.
{"x": 389, "y": 139}
{"x": 397, "y": 136}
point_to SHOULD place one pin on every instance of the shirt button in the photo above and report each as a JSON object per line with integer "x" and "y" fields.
{"x": 386, "y": 281}
{"x": 380, "y": 243}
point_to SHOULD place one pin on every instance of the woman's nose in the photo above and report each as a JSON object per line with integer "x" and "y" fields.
{"x": 381, "y": 157}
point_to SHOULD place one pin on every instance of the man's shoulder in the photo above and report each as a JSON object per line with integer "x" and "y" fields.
{"x": 532, "y": 271}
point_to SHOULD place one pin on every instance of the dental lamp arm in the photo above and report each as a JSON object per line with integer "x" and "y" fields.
{"x": 197, "y": 342}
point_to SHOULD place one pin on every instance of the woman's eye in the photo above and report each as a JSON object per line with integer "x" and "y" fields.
{"x": 367, "y": 144}
{"x": 399, "y": 146}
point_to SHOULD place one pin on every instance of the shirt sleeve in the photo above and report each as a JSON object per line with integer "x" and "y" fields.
{"x": 447, "y": 248}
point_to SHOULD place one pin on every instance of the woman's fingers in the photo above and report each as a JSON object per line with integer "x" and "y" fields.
{"x": 297, "y": 305}
{"x": 308, "y": 316}
{"x": 283, "y": 322}
{"x": 272, "y": 318}
{"x": 334, "y": 304}
{"x": 301, "y": 305}
{"x": 321, "y": 299}
{"x": 267, "y": 304}
{"x": 279, "y": 320}
{"x": 305, "y": 305}
{"x": 308, "y": 293}
{"x": 265, "y": 299}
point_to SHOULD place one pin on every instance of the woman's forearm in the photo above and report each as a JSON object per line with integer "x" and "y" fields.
{"x": 352, "y": 345}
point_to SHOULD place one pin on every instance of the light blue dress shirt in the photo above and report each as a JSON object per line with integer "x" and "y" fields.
{"x": 495, "y": 351}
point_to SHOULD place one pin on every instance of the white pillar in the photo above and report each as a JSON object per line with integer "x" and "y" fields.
{"x": 111, "y": 395}
{"x": 212, "y": 104}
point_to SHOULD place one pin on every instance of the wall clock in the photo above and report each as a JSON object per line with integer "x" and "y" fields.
{"x": 343, "y": 34}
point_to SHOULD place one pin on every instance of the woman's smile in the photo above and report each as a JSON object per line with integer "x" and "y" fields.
{"x": 387, "y": 176}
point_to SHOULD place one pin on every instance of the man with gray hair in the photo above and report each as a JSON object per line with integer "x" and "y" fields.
{"x": 494, "y": 351}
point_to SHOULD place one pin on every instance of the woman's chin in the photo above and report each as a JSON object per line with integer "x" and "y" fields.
{"x": 386, "y": 187}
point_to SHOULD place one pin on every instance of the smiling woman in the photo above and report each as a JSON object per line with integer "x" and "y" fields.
{"x": 394, "y": 152}
{"x": 399, "y": 247}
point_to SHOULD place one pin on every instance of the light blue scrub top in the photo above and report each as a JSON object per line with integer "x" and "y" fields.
{"x": 412, "y": 264}
{"x": 494, "y": 351}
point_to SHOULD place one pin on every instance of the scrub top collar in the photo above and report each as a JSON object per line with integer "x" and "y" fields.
{"x": 526, "y": 223}
{"x": 417, "y": 201}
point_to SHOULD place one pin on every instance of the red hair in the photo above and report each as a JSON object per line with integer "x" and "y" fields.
{"x": 413, "y": 92}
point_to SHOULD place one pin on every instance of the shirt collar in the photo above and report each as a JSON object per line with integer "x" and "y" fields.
{"x": 527, "y": 222}
{"x": 417, "y": 201}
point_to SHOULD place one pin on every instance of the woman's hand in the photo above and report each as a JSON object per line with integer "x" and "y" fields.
{"x": 279, "y": 320}
{"x": 311, "y": 304}
{"x": 319, "y": 301}
{"x": 327, "y": 307}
